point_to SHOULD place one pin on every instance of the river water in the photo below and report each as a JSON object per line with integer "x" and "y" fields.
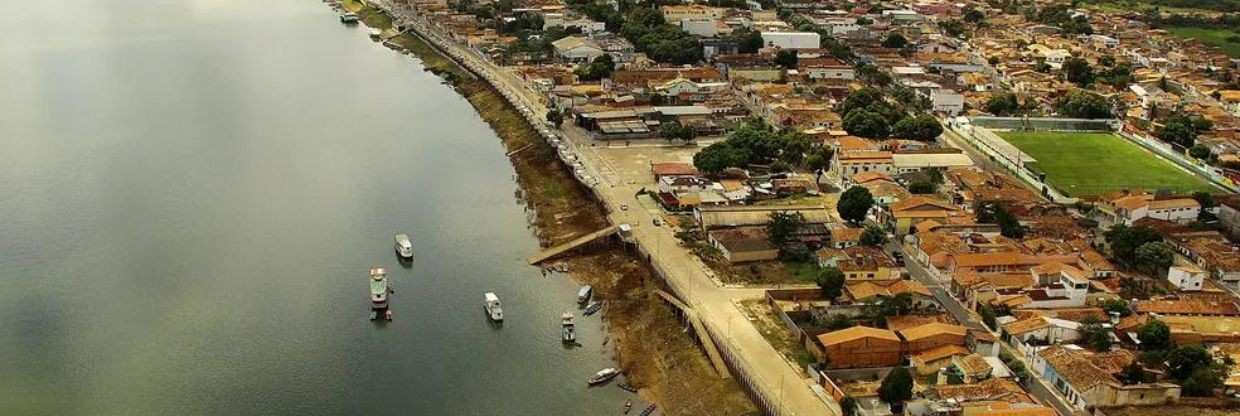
{"x": 192, "y": 192}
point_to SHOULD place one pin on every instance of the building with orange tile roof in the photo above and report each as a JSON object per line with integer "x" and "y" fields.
{"x": 859, "y": 347}
{"x": 933, "y": 335}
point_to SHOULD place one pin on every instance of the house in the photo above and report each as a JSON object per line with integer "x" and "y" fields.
{"x": 1127, "y": 208}
{"x": 1189, "y": 305}
{"x": 847, "y": 164}
{"x": 946, "y": 101}
{"x": 860, "y": 347}
{"x": 1186, "y": 276}
{"x": 672, "y": 170}
{"x": 860, "y": 263}
{"x": 1040, "y": 330}
{"x": 791, "y": 40}
{"x": 577, "y": 49}
{"x": 744, "y": 244}
{"x": 844, "y": 237}
{"x": 1229, "y": 210}
{"x": 871, "y": 291}
{"x": 929, "y": 336}
{"x": 972, "y": 367}
{"x": 1087, "y": 379}
{"x": 684, "y": 184}
{"x": 932, "y": 360}
{"x": 674, "y": 14}
{"x": 916, "y": 209}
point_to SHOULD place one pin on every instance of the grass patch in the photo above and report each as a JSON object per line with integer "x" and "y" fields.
{"x": 1227, "y": 40}
{"x": 1090, "y": 164}
{"x": 778, "y": 335}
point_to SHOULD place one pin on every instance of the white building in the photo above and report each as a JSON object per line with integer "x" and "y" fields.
{"x": 707, "y": 28}
{"x": 1130, "y": 208}
{"x": 1186, "y": 276}
{"x": 903, "y": 163}
{"x": 946, "y": 101}
{"x": 577, "y": 49}
{"x": 792, "y": 40}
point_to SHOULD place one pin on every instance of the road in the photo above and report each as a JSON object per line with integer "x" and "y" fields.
{"x": 781, "y": 386}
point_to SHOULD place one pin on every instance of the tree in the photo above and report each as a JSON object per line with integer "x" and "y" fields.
{"x": 1133, "y": 373}
{"x": 854, "y": 204}
{"x": 922, "y": 188}
{"x": 897, "y": 387}
{"x": 1183, "y": 361}
{"x": 719, "y": 156}
{"x": 1124, "y": 241}
{"x": 748, "y": 41}
{"x": 1094, "y": 335}
{"x": 676, "y": 131}
{"x": 831, "y": 282}
{"x": 783, "y": 226}
{"x": 1154, "y": 336}
{"x": 1203, "y": 382}
{"x": 988, "y": 316}
{"x": 601, "y": 67}
{"x": 895, "y": 41}
{"x": 1205, "y": 199}
{"x": 555, "y": 117}
{"x": 873, "y": 236}
{"x": 972, "y": 15}
{"x": 1009, "y": 226}
{"x": 1118, "y": 306}
{"x": 1155, "y": 256}
{"x": 1199, "y": 151}
{"x": 923, "y": 127}
{"x": 1004, "y": 104}
{"x": 865, "y": 123}
{"x": 1183, "y": 130}
{"x": 1083, "y": 104}
{"x": 860, "y": 99}
{"x": 786, "y": 58}
{"x": 819, "y": 161}
{"x": 848, "y": 406}
{"x": 1078, "y": 71}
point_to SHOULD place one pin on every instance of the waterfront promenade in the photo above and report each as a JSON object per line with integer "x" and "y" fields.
{"x": 782, "y": 390}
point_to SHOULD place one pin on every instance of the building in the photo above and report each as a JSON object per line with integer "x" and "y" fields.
{"x": 1186, "y": 276}
{"x": 744, "y": 244}
{"x": 1127, "y": 208}
{"x": 674, "y": 14}
{"x": 946, "y": 101}
{"x": 860, "y": 347}
{"x": 926, "y": 337}
{"x": 860, "y": 263}
{"x": 577, "y": 49}
{"x": 847, "y": 164}
{"x": 1040, "y": 330}
{"x": 917, "y": 209}
{"x": 792, "y": 40}
{"x": 904, "y": 163}
{"x": 1087, "y": 379}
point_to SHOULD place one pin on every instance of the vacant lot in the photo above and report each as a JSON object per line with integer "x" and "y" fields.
{"x": 1089, "y": 164}
{"x": 1222, "y": 38}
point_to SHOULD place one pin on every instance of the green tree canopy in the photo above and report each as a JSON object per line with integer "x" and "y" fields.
{"x": 854, "y": 204}
{"x": 1003, "y": 104}
{"x": 865, "y": 123}
{"x": 1094, "y": 335}
{"x": 1154, "y": 256}
{"x": 1083, "y": 104}
{"x": 897, "y": 387}
{"x": 895, "y": 41}
{"x": 1154, "y": 336}
{"x": 873, "y": 236}
{"x": 783, "y": 226}
{"x": 923, "y": 127}
{"x": 1124, "y": 241}
{"x": 831, "y": 281}
{"x": 601, "y": 67}
{"x": 1077, "y": 71}
{"x": 786, "y": 58}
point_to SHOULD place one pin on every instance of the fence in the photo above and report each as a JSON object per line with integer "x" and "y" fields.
{"x": 1045, "y": 123}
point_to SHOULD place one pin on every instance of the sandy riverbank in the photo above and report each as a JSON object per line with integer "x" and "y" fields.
{"x": 649, "y": 343}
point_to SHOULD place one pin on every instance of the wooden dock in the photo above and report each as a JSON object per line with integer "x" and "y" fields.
{"x": 553, "y": 252}
{"x": 703, "y": 337}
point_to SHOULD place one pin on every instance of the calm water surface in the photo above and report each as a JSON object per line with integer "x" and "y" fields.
{"x": 192, "y": 191}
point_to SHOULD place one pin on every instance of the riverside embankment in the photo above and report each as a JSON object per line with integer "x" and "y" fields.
{"x": 657, "y": 355}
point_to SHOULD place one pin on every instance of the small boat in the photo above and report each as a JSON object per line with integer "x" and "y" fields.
{"x": 404, "y": 247}
{"x": 593, "y": 308}
{"x": 584, "y": 294}
{"x": 349, "y": 18}
{"x": 649, "y": 410}
{"x": 375, "y": 34}
{"x": 627, "y": 387}
{"x": 491, "y": 304}
{"x": 603, "y": 376}
{"x": 378, "y": 288}
{"x": 387, "y": 315}
{"x": 628, "y": 405}
{"x": 568, "y": 332}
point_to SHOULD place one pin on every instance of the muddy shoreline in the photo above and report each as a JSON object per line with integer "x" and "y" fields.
{"x": 648, "y": 340}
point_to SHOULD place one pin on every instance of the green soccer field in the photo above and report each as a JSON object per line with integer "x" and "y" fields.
{"x": 1089, "y": 164}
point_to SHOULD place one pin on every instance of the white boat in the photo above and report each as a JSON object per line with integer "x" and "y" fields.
{"x": 404, "y": 247}
{"x": 348, "y": 18}
{"x": 603, "y": 376}
{"x": 568, "y": 332}
{"x": 494, "y": 309}
{"x": 378, "y": 288}
{"x": 584, "y": 294}
{"x": 375, "y": 34}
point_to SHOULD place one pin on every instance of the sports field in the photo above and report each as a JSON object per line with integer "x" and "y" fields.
{"x": 1089, "y": 164}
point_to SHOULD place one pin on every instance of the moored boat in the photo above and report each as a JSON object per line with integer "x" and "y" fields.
{"x": 592, "y": 308}
{"x": 584, "y": 294}
{"x": 490, "y": 303}
{"x": 349, "y": 18}
{"x": 378, "y": 288}
{"x": 404, "y": 246}
{"x": 568, "y": 332}
{"x": 375, "y": 34}
{"x": 603, "y": 376}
